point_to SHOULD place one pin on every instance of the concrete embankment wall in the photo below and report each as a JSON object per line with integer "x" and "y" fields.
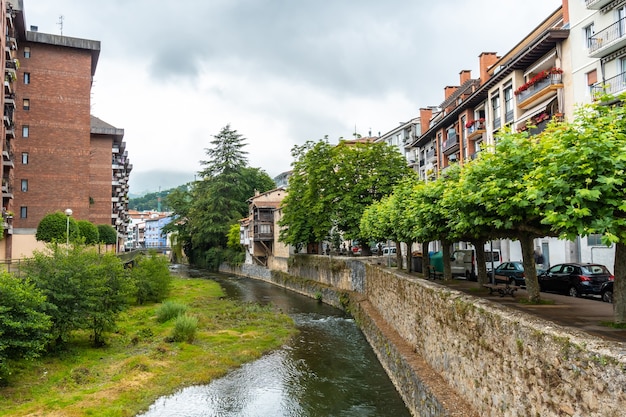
{"x": 449, "y": 353}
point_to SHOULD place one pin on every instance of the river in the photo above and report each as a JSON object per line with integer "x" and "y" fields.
{"x": 327, "y": 370}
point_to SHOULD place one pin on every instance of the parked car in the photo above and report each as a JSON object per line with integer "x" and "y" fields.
{"x": 511, "y": 272}
{"x": 389, "y": 251}
{"x": 606, "y": 291}
{"x": 463, "y": 262}
{"x": 575, "y": 279}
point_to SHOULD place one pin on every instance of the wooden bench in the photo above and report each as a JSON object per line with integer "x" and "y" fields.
{"x": 433, "y": 273}
{"x": 502, "y": 289}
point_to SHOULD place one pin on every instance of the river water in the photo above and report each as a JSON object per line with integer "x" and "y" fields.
{"x": 327, "y": 370}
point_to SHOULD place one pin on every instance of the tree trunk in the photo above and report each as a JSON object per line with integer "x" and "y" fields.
{"x": 530, "y": 271}
{"x": 425, "y": 257}
{"x": 399, "y": 255}
{"x": 481, "y": 262}
{"x": 447, "y": 270}
{"x": 409, "y": 257}
{"x": 619, "y": 286}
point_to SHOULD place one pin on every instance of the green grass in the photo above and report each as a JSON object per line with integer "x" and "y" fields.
{"x": 613, "y": 325}
{"x": 138, "y": 364}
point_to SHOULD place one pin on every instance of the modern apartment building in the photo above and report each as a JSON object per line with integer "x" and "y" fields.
{"x": 58, "y": 156}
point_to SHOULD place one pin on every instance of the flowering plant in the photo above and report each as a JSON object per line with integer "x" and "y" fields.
{"x": 539, "y": 77}
{"x": 470, "y": 123}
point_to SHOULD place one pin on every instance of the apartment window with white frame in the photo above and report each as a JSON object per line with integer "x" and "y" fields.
{"x": 25, "y": 131}
{"x": 24, "y": 158}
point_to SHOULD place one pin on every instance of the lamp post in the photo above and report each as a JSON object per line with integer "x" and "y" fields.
{"x": 68, "y": 213}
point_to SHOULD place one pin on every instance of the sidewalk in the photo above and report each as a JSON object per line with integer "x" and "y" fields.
{"x": 585, "y": 313}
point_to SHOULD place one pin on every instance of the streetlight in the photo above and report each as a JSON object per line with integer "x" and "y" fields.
{"x": 68, "y": 213}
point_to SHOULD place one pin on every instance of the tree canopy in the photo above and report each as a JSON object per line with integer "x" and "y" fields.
{"x": 331, "y": 186}
{"x": 53, "y": 228}
{"x": 204, "y": 211}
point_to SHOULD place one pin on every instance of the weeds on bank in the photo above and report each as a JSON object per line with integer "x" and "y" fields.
{"x": 613, "y": 325}
{"x": 139, "y": 364}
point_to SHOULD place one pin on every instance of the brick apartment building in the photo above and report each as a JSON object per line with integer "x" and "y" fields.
{"x": 56, "y": 155}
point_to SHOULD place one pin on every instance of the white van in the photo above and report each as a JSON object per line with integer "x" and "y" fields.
{"x": 463, "y": 262}
{"x": 389, "y": 251}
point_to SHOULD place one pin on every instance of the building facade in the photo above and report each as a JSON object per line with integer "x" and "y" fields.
{"x": 55, "y": 155}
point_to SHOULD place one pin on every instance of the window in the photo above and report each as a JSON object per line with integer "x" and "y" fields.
{"x": 495, "y": 110}
{"x": 508, "y": 103}
{"x": 27, "y": 52}
{"x": 594, "y": 239}
{"x": 24, "y": 158}
{"x": 25, "y": 131}
{"x": 27, "y": 78}
{"x": 26, "y": 104}
{"x": 24, "y": 186}
{"x": 23, "y": 212}
{"x": 588, "y": 33}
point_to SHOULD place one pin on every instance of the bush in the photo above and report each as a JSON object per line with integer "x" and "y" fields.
{"x": 152, "y": 279}
{"x": 185, "y": 329}
{"x": 107, "y": 234}
{"x": 24, "y": 327}
{"x": 88, "y": 231}
{"x": 53, "y": 228}
{"x": 83, "y": 289}
{"x": 169, "y": 310}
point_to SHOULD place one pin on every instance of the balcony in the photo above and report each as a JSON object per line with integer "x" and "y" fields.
{"x": 608, "y": 40}
{"x": 596, "y": 4}
{"x": 476, "y": 129}
{"x": 540, "y": 89}
{"x": 612, "y": 86}
{"x": 451, "y": 144}
{"x": 430, "y": 156}
{"x": 263, "y": 231}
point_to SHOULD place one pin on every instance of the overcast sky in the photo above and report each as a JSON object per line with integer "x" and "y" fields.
{"x": 173, "y": 73}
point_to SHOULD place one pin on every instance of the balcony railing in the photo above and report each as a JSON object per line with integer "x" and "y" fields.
{"x": 606, "y": 36}
{"x": 611, "y": 86}
{"x": 541, "y": 85}
{"x": 596, "y": 4}
{"x": 452, "y": 141}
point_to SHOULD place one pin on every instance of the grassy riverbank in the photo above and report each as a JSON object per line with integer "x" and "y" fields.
{"x": 138, "y": 365}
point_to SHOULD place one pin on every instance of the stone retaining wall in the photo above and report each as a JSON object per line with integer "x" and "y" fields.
{"x": 500, "y": 361}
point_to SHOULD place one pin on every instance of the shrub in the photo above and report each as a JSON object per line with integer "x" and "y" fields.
{"x": 169, "y": 310}
{"x": 185, "y": 329}
{"x": 24, "y": 328}
{"x": 152, "y": 278}
{"x": 107, "y": 234}
{"x": 88, "y": 231}
{"x": 53, "y": 228}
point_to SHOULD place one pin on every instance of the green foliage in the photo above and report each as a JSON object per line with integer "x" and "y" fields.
{"x": 150, "y": 201}
{"x": 331, "y": 187}
{"x": 185, "y": 328}
{"x": 152, "y": 278}
{"x": 168, "y": 310}
{"x": 88, "y": 231}
{"x": 107, "y": 234}
{"x": 234, "y": 237}
{"x": 53, "y": 228}
{"x": 83, "y": 289}
{"x": 204, "y": 211}
{"x": 24, "y": 327}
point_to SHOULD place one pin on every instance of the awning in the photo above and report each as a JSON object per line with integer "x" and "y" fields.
{"x": 541, "y": 107}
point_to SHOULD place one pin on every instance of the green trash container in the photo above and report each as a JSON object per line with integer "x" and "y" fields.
{"x": 436, "y": 260}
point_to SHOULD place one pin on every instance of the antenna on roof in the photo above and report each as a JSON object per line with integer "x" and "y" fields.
{"x": 60, "y": 23}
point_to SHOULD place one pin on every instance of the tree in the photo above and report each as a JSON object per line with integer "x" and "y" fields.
{"x": 579, "y": 181}
{"x": 24, "y": 326}
{"x": 331, "y": 187}
{"x": 107, "y": 234}
{"x": 88, "y": 231}
{"x": 53, "y": 228}
{"x": 83, "y": 289}
{"x": 220, "y": 197}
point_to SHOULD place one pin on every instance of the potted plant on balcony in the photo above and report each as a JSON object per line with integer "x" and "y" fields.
{"x": 469, "y": 123}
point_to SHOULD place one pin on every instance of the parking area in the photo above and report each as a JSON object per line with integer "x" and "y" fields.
{"x": 584, "y": 313}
